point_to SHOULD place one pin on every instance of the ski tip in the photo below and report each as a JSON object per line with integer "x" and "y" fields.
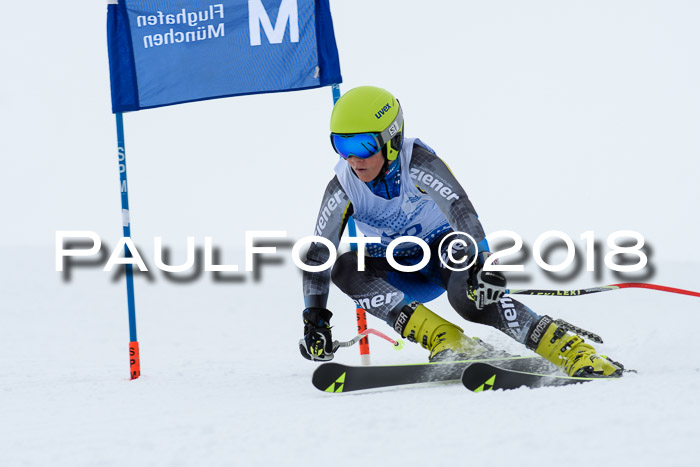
{"x": 326, "y": 375}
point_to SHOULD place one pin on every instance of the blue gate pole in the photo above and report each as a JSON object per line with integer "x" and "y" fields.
{"x": 352, "y": 232}
{"x": 134, "y": 358}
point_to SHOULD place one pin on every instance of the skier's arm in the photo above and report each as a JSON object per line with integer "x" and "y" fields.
{"x": 432, "y": 176}
{"x": 332, "y": 217}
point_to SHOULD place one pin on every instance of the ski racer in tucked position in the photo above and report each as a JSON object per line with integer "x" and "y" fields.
{"x": 395, "y": 186}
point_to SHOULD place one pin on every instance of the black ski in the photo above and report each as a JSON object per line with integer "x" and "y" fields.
{"x": 480, "y": 377}
{"x": 336, "y": 377}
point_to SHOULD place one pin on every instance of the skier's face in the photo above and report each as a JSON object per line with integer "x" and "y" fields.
{"x": 367, "y": 169}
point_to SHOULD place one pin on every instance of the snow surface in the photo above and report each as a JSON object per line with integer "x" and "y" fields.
{"x": 572, "y": 116}
{"x": 223, "y": 383}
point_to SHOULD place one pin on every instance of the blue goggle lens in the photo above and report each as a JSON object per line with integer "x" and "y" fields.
{"x": 362, "y": 145}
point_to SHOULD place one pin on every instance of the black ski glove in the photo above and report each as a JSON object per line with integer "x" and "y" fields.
{"x": 485, "y": 287}
{"x": 317, "y": 344}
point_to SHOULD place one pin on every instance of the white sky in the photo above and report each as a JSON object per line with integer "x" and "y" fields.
{"x": 572, "y": 116}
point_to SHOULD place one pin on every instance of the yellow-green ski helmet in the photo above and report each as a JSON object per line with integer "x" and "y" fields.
{"x": 365, "y": 120}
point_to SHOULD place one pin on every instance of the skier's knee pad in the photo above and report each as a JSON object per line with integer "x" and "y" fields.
{"x": 457, "y": 296}
{"x": 344, "y": 269}
{"x": 466, "y": 308}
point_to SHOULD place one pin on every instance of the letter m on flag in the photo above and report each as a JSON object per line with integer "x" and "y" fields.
{"x": 288, "y": 13}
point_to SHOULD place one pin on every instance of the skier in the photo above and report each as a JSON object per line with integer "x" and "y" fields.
{"x": 395, "y": 186}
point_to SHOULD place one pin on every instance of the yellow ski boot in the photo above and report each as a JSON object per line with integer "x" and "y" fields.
{"x": 569, "y": 352}
{"x": 444, "y": 340}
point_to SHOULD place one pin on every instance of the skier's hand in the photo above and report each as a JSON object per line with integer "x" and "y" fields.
{"x": 317, "y": 343}
{"x": 485, "y": 287}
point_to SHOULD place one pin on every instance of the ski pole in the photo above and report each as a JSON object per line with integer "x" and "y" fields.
{"x": 398, "y": 344}
{"x": 603, "y": 288}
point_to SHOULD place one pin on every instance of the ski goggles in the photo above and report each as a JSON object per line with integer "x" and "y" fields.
{"x": 364, "y": 145}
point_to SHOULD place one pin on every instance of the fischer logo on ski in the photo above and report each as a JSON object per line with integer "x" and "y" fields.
{"x": 488, "y": 385}
{"x": 337, "y": 385}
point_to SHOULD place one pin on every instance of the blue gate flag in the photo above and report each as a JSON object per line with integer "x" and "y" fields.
{"x": 165, "y": 52}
